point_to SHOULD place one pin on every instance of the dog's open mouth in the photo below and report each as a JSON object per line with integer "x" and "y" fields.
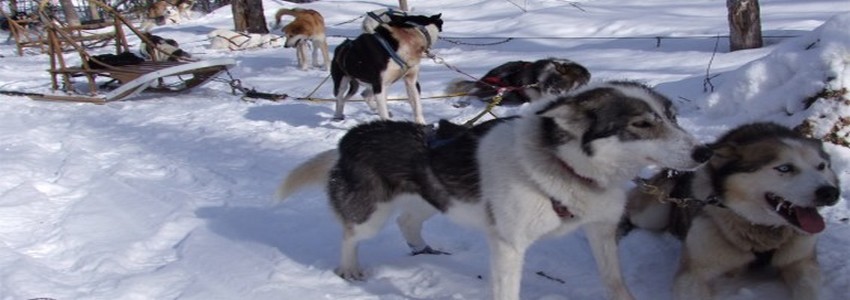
{"x": 806, "y": 218}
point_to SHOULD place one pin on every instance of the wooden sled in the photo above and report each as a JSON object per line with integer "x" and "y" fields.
{"x": 149, "y": 76}
{"x": 170, "y": 76}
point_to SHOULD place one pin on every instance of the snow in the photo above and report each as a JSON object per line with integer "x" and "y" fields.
{"x": 171, "y": 196}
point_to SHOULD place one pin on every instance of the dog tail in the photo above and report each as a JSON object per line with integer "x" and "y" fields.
{"x": 460, "y": 86}
{"x": 314, "y": 171}
{"x": 284, "y": 12}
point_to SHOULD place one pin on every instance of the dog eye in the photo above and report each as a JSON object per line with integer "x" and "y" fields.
{"x": 642, "y": 124}
{"x": 784, "y": 168}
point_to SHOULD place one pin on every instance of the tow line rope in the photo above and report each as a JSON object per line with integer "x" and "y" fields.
{"x": 249, "y": 94}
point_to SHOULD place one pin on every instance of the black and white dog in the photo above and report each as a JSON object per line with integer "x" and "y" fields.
{"x": 162, "y": 49}
{"x": 525, "y": 81}
{"x": 377, "y": 60}
{"x": 561, "y": 165}
{"x": 375, "y": 18}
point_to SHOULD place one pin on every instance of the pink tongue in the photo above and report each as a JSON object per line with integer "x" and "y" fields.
{"x": 809, "y": 219}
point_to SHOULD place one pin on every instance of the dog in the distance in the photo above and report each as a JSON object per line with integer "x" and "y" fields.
{"x": 753, "y": 205}
{"x": 307, "y": 27}
{"x": 379, "y": 59}
{"x": 232, "y": 40}
{"x": 375, "y": 18}
{"x": 184, "y": 8}
{"x": 524, "y": 81}
{"x": 160, "y": 13}
{"x": 560, "y": 165}
{"x": 162, "y": 49}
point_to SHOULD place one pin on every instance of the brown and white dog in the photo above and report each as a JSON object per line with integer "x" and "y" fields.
{"x": 164, "y": 12}
{"x": 754, "y": 204}
{"x": 160, "y": 13}
{"x": 308, "y": 26}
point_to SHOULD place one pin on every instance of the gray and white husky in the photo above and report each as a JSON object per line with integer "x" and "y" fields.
{"x": 560, "y": 165}
{"x": 765, "y": 185}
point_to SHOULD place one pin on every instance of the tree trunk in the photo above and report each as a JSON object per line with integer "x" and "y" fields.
{"x": 402, "y": 4}
{"x": 95, "y": 14}
{"x": 71, "y": 16}
{"x": 744, "y": 24}
{"x": 248, "y": 16}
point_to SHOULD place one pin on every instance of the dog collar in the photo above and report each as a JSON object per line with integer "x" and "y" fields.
{"x": 585, "y": 180}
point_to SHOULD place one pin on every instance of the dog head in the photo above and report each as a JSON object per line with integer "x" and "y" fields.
{"x": 771, "y": 175}
{"x": 614, "y": 129}
{"x": 558, "y": 76}
{"x": 295, "y": 34}
{"x": 402, "y": 20}
{"x": 163, "y": 12}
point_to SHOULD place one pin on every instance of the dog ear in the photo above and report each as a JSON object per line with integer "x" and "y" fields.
{"x": 723, "y": 154}
{"x": 565, "y": 110}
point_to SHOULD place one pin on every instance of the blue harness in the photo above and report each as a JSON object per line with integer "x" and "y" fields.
{"x": 393, "y": 54}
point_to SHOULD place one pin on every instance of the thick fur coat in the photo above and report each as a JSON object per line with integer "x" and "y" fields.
{"x": 307, "y": 27}
{"x": 754, "y": 204}
{"x": 559, "y": 166}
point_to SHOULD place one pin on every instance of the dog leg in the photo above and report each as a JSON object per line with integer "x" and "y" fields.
{"x": 700, "y": 264}
{"x": 369, "y": 97}
{"x": 301, "y": 55}
{"x": 410, "y": 223}
{"x": 323, "y": 43}
{"x": 380, "y": 96}
{"x": 411, "y": 83}
{"x": 803, "y": 277}
{"x": 315, "y": 53}
{"x": 603, "y": 242}
{"x": 342, "y": 96}
{"x": 506, "y": 261}
{"x": 349, "y": 267}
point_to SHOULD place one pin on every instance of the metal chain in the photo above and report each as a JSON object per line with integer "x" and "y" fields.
{"x": 664, "y": 198}
{"x": 457, "y": 42}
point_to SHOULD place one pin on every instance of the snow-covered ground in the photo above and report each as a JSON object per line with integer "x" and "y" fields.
{"x": 171, "y": 197}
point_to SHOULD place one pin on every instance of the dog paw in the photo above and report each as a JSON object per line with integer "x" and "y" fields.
{"x": 428, "y": 250}
{"x": 350, "y": 274}
{"x": 338, "y": 118}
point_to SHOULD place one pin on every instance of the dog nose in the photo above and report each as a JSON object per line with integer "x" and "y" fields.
{"x": 826, "y": 195}
{"x": 702, "y": 154}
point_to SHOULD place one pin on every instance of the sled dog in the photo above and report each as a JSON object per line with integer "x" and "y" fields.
{"x": 560, "y": 165}
{"x": 375, "y": 18}
{"x": 160, "y": 13}
{"x": 524, "y": 81}
{"x": 308, "y": 26}
{"x": 756, "y": 205}
{"x": 184, "y": 8}
{"x": 162, "y": 49}
{"x": 379, "y": 59}
{"x": 232, "y": 40}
